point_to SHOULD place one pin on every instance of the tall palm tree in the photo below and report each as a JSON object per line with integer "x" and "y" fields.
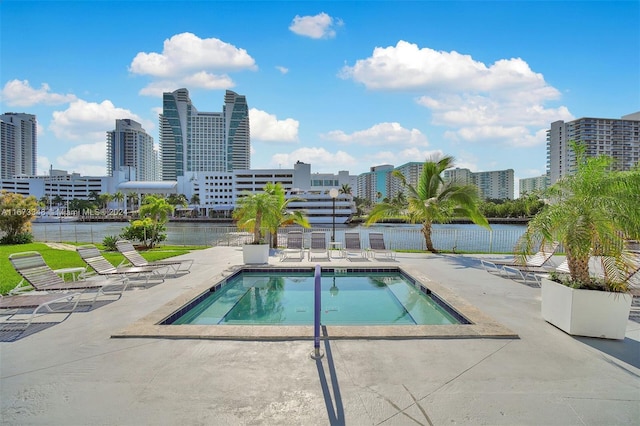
{"x": 119, "y": 197}
{"x": 592, "y": 213}
{"x": 432, "y": 200}
{"x": 282, "y": 216}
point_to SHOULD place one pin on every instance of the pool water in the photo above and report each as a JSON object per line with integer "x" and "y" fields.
{"x": 356, "y": 298}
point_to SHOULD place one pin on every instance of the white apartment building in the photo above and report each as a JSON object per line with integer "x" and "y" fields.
{"x": 18, "y": 144}
{"x": 534, "y": 184}
{"x": 497, "y": 184}
{"x": 618, "y": 138}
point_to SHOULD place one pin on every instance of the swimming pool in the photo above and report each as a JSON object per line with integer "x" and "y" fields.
{"x": 349, "y": 297}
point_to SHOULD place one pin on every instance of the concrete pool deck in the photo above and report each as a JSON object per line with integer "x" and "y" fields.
{"x": 74, "y": 372}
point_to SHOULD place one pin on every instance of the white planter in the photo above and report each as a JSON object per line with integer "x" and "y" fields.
{"x": 255, "y": 254}
{"x": 585, "y": 312}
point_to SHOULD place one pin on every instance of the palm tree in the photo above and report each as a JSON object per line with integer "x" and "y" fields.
{"x": 282, "y": 216}
{"x": 158, "y": 210}
{"x": 254, "y": 208}
{"x": 592, "y": 213}
{"x": 119, "y": 197}
{"x": 345, "y": 189}
{"x": 433, "y": 200}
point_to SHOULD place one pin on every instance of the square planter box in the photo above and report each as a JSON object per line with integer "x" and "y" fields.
{"x": 255, "y": 254}
{"x": 589, "y": 313}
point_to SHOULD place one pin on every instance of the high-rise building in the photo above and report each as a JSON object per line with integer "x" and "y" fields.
{"x": 18, "y": 144}
{"x": 130, "y": 146}
{"x": 495, "y": 184}
{"x": 192, "y": 141}
{"x": 375, "y": 185}
{"x": 618, "y": 138}
{"x": 531, "y": 185}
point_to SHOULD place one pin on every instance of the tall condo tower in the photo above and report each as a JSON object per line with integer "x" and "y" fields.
{"x": 129, "y": 145}
{"x": 18, "y": 144}
{"x": 618, "y": 138}
{"x": 193, "y": 141}
{"x": 238, "y": 134}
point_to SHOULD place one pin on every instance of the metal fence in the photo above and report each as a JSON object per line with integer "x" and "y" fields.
{"x": 450, "y": 238}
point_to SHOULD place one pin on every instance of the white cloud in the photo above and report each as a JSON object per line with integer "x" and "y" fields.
{"x": 89, "y": 121}
{"x": 380, "y": 135}
{"x": 86, "y": 159}
{"x": 318, "y": 26}
{"x": 188, "y": 60}
{"x": 267, "y": 127}
{"x": 319, "y": 158}
{"x": 504, "y": 103}
{"x": 20, "y": 93}
{"x": 283, "y": 70}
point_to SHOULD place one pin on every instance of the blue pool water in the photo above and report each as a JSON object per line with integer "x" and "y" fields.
{"x": 287, "y": 298}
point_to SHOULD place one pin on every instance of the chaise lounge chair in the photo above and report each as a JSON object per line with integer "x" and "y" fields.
{"x": 94, "y": 259}
{"x": 352, "y": 245}
{"x": 294, "y": 247}
{"x": 377, "y": 246}
{"x": 318, "y": 245}
{"x": 533, "y": 265}
{"x": 37, "y": 275}
{"x": 30, "y": 304}
{"x": 127, "y": 249}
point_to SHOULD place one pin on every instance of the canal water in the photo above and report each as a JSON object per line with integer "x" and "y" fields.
{"x": 451, "y": 237}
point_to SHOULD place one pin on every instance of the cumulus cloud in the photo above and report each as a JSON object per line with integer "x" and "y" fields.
{"x": 319, "y": 158}
{"x": 318, "y": 26}
{"x": 283, "y": 70}
{"x": 379, "y": 135}
{"x": 266, "y": 127}
{"x": 20, "y": 93}
{"x": 88, "y": 121}
{"x": 188, "y": 60}
{"x": 86, "y": 159}
{"x": 501, "y": 103}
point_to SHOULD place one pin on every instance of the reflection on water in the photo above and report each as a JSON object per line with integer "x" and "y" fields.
{"x": 359, "y": 298}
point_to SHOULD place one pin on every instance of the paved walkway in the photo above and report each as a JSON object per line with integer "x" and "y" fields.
{"x": 75, "y": 373}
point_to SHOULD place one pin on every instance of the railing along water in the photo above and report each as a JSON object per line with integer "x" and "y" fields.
{"x": 450, "y": 238}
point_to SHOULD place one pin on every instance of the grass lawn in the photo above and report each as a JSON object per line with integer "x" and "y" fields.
{"x": 58, "y": 259}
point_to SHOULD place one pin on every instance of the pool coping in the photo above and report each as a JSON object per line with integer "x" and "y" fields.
{"x": 482, "y": 326}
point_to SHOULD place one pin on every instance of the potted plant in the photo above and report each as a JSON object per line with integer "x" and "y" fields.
{"x": 592, "y": 213}
{"x": 252, "y": 211}
{"x": 281, "y": 215}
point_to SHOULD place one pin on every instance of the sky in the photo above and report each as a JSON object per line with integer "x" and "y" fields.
{"x": 342, "y": 85}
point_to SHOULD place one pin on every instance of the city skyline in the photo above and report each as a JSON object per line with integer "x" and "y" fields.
{"x": 339, "y": 85}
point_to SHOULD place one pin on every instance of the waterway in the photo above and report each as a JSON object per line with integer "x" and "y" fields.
{"x": 451, "y": 237}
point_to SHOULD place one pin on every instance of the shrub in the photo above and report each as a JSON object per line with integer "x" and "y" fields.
{"x": 109, "y": 242}
{"x": 145, "y": 231}
{"x": 20, "y": 238}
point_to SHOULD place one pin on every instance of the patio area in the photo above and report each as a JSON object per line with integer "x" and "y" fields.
{"x": 76, "y": 372}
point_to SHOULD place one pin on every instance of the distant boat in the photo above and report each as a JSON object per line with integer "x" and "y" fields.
{"x": 318, "y": 206}
{"x": 55, "y": 217}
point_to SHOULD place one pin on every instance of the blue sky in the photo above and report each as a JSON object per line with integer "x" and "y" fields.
{"x": 340, "y": 85}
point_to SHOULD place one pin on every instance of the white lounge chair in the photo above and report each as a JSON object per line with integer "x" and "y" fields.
{"x": 130, "y": 253}
{"x": 21, "y": 309}
{"x": 318, "y": 245}
{"x": 377, "y": 246}
{"x": 294, "y": 247}
{"x": 352, "y": 245}
{"x": 37, "y": 275}
{"x": 535, "y": 264}
{"x": 96, "y": 261}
